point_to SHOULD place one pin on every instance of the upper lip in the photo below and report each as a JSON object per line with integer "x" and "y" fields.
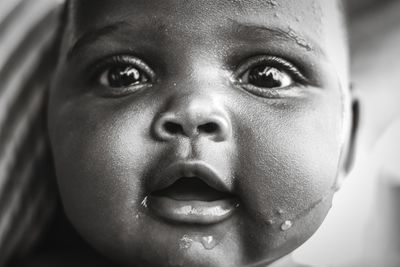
{"x": 186, "y": 169}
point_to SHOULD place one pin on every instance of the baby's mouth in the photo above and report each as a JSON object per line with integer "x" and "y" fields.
{"x": 190, "y": 200}
{"x": 191, "y": 189}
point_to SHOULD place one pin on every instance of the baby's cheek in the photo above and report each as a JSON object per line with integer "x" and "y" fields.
{"x": 287, "y": 170}
{"x": 289, "y": 166}
{"x": 99, "y": 161}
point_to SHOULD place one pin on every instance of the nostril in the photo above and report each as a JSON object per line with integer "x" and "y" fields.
{"x": 170, "y": 126}
{"x": 208, "y": 128}
{"x": 173, "y": 128}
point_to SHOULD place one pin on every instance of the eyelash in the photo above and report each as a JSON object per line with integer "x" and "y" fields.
{"x": 272, "y": 61}
{"x": 275, "y": 62}
{"x": 121, "y": 60}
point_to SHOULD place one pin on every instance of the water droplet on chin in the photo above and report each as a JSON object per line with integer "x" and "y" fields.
{"x": 208, "y": 242}
{"x": 185, "y": 242}
{"x": 286, "y": 225}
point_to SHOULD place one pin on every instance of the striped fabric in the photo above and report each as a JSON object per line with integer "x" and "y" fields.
{"x": 27, "y": 191}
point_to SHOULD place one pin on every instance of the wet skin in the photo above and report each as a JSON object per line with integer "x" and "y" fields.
{"x": 200, "y": 133}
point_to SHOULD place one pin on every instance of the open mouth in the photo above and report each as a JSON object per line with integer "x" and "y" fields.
{"x": 191, "y": 188}
{"x": 192, "y": 200}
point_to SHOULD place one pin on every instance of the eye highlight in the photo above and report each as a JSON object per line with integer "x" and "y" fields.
{"x": 266, "y": 76}
{"x": 122, "y": 75}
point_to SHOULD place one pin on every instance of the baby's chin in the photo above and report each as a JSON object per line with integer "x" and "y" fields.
{"x": 154, "y": 242}
{"x": 238, "y": 240}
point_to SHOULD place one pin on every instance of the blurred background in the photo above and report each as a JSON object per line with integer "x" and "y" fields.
{"x": 363, "y": 228}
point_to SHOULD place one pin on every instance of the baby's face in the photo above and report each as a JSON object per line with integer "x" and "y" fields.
{"x": 199, "y": 133}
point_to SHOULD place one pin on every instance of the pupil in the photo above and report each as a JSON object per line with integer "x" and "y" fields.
{"x": 266, "y": 77}
{"x": 123, "y": 76}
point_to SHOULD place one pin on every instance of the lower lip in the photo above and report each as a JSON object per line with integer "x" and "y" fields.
{"x": 192, "y": 212}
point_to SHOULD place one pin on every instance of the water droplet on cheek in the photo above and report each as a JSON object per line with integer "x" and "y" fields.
{"x": 286, "y": 225}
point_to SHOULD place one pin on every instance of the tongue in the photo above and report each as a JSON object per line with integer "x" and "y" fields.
{"x": 189, "y": 189}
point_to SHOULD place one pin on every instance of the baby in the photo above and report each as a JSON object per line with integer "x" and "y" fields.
{"x": 201, "y": 133}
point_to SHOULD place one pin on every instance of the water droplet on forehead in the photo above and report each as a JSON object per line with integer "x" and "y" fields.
{"x": 286, "y": 225}
{"x": 299, "y": 40}
{"x": 279, "y": 212}
{"x": 272, "y": 3}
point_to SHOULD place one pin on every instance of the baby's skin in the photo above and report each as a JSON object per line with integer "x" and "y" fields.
{"x": 200, "y": 133}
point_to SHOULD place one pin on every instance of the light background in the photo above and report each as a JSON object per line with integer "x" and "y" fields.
{"x": 363, "y": 227}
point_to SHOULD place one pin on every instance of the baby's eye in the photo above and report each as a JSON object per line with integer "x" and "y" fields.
{"x": 123, "y": 75}
{"x": 265, "y": 76}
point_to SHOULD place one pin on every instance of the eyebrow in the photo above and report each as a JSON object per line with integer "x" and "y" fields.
{"x": 93, "y": 35}
{"x": 248, "y": 32}
{"x": 255, "y": 33}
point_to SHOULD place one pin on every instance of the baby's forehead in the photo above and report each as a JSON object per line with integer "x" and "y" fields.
{"x": 310, "y": 15}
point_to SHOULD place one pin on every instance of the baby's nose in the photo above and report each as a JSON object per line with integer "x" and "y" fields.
{"x": 193, "y": 118}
